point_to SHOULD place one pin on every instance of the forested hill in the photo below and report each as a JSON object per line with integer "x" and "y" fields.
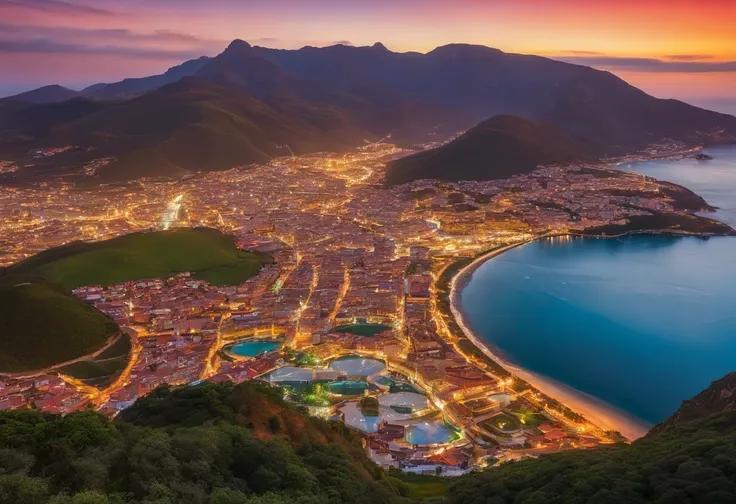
{"x": 719, "y": 397}
{"x": 225, "y": 444}
{"x": 210, "y": 444}
{"x": 689, "y": 459}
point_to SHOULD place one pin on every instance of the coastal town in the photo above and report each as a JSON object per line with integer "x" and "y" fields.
{"x": 354, "y": 316}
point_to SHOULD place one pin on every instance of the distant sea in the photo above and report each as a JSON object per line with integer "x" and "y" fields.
{"x": 714, "y": 180}
{"x": 640, "y": 323}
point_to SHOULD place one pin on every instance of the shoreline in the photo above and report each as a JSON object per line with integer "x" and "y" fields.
{"x": 600, "y": 413}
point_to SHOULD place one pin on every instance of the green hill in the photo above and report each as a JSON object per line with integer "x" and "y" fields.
{"x": 41, "y": 325}
{"x": 498, "y": 148}
{"x": 207, "y": 253}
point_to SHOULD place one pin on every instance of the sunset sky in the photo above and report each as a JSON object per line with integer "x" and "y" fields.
{"x": 670, "y": 48}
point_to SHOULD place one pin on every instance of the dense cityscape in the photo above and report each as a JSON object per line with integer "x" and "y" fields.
{"x": 378, "y": 252}
{"x": 356, "y": 303}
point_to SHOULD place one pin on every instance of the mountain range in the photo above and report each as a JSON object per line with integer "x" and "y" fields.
{"x": 238, "y": 107}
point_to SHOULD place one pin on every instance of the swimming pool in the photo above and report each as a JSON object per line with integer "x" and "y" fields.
{"x": 289, "y": 374}
{"x": 416, "y": 402}
{"x": 347, "y": 387}
{"x": 355, "y": 418}
{"x": 397, "y": 386}
{"x": 252, "y": 348}
{"x": 429, "y": 433}
{"x": 357, "y": 366}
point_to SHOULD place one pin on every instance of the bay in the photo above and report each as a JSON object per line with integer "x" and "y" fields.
{"x": 640, "y": 322}
{"x": 714, "y": 180}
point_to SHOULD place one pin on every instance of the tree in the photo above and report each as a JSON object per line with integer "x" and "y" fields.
{"x": 369, "y": 406}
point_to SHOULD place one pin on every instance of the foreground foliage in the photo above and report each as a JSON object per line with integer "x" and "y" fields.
{"x": 690, "y": 463}
{"x": 225, "y": 444}
{"x": 211, "y": 444}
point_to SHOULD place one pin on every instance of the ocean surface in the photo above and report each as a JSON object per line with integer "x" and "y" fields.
{"x": 641, "y": 322}
{"x": 714, "y": 180}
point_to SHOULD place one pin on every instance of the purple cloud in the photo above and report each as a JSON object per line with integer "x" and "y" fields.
{"x": 689, "y": 57}
{"x": 55, "y": 7}
{"x": 43, "y": 46}
{"x": 651, "y": 64}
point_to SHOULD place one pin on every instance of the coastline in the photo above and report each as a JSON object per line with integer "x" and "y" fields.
{"x": 597, "y": 411}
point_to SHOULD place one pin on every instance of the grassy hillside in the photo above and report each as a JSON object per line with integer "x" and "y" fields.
{"x": 211, "y": 444}
{"x": 209, "y": 254}
{"x": 497, "y": 148}
{"x": 691, "y": 458}
{"x": 101, "y": 369}
{"x": 42, "y": 325}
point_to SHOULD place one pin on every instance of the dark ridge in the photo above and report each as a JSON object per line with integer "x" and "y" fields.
{"x": 720, "y": 397}
{"x": 361, "y": 93}
{"x": 45, "y": 94}
{"x": 688, "y": 458}
{"x": 497, "y": 148}
{"x": 131, "y": 88}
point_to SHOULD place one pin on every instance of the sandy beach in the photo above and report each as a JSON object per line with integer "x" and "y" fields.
{"x": 601, "y": 413}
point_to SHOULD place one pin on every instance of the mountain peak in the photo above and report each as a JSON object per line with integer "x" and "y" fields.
{"x": 46, "y": 94}
{"x": 380, "y": 47}
{"x": 464, "y": 51}
{"x": 238, "y": 45}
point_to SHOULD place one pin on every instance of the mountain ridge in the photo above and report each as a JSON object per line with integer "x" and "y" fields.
{"x": 497, "y": 148}
{"x": 719, "y": 397}
{"x": 352, "y": 93}
{"x": 686, "y": 459}
{"x": 51, "y": 93}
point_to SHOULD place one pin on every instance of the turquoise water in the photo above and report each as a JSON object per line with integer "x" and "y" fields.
{"x": 252, "y": 348}
{"x": 427, "y": 433}
{"x": 397, "y": 386}
{"x": 347, "y": 387}
{"x": 640, "y": 322}
{"x": 384, "y": 380}
{"x": 714, "y": 180}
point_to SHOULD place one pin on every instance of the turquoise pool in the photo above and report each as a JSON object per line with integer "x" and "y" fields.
{"x": 252, "y": 348}
{"x": 347, "y": 387}
{"x": 384, "y": 380}
{"x": 429, "y": 433}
